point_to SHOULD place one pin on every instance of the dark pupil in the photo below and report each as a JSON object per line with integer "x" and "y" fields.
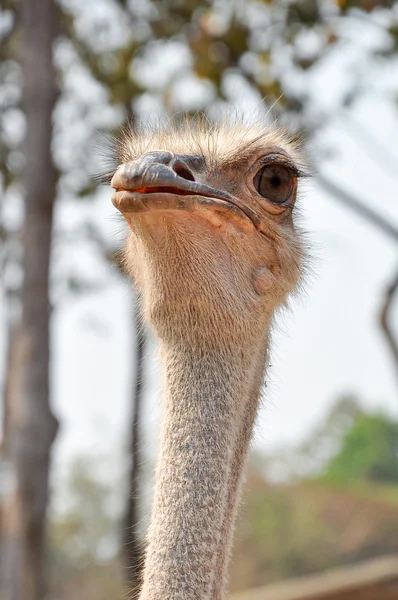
{"x": 275, "y": 180}
{"x": 275, "y": 183}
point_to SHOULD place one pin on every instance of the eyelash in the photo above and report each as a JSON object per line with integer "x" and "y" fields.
{"x": 279, "y": 160}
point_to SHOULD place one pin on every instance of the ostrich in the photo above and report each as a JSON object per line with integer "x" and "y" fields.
{"x": 213, "y": 250}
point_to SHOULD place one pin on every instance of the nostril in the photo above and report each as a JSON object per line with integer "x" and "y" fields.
{"x": 182, "y": 171}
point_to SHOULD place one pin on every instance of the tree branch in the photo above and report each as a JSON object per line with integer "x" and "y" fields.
{"x": 384, "y": 317}
{"x": 356, "y": 205}
{"x": 133, "y": 550}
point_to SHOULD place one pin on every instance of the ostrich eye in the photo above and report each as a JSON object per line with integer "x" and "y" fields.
{"x": 276, "y": 183}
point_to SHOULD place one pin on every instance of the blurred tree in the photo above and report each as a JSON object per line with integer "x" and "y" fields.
{"x": 132, "y": 547}
{"x": 10, "y": 220}
{"x": 32, "y": 425}
{"x": 326, "y": 439}
{"x": 348, "y": 446}
{"x": 308, "y": 459}
{"x": 368, "y": 452}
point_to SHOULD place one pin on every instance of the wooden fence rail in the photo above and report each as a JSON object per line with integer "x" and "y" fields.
{"x": 372, "y": 580}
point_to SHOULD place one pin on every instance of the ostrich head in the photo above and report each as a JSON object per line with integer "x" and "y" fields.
{"x": 213, "y": 248}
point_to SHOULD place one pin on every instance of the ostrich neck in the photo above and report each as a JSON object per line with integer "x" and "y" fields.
{"x": 238, "y": 460}
{"x": 211, "y": 397}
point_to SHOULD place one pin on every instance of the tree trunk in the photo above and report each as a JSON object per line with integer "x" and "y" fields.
{"x": 32, "y": 425}
{"x": 132, "y": 548}
{"x": 10, "y": 384}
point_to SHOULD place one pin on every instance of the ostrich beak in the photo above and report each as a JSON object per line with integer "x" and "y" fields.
{"x": 148, "y": 184}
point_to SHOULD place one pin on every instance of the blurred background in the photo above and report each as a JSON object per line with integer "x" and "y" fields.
{"x": 79, "y": 386}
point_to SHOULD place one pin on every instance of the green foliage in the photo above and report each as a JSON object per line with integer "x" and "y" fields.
{"x": 369, "y": 452}
{"x": 348, "y": 447}
{"x": 308, "y": 459}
